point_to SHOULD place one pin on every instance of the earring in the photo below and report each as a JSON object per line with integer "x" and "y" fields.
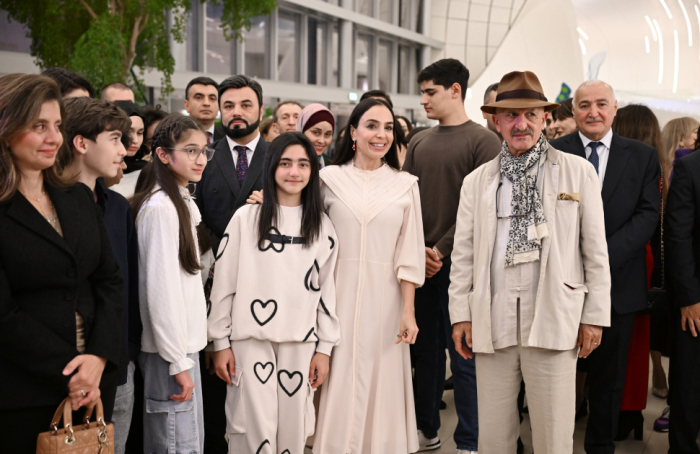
{"x": 353, "y": 145}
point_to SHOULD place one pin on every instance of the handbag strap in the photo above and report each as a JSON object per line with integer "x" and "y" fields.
{"x": 663, "y": 264}
{"x": 66, "y": 410}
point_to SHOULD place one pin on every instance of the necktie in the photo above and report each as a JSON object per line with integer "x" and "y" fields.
{"x": 209, "y": 138}
{"x": 241, "y": 163}
{"x": 593, "y": 158}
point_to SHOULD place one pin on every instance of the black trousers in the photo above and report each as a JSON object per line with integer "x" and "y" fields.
{"x": 214, "y": 404}
{"x": 606, "y": 381}
{"x": 685, "y": 398}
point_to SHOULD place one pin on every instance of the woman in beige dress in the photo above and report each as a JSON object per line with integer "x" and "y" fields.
{"x": 367, "y": 401}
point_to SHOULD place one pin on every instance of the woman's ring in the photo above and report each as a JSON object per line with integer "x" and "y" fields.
{"x": 83, "y": 393}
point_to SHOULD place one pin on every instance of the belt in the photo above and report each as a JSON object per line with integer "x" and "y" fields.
{"x": 284, "y": 239}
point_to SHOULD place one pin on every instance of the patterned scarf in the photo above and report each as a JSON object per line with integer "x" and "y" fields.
{"x": 528, "y": 225}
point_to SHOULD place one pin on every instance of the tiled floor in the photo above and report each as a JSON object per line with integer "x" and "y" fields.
{"x": 653, "y": 443}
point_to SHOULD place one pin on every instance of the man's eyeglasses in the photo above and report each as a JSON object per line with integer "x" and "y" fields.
{"x": 193, "y": 153}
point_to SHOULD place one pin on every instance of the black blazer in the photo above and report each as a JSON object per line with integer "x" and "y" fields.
{"x": 218, "y": 132}
{"x": 218, "y": 195}
{"x": 632, "y": 205}
{"x": 44, "y": 280}
{"x": 682, "y": 230}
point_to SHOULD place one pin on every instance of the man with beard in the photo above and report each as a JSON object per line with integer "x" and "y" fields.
{"x": 234, "y": 171}
{"x": 228, "y": 180}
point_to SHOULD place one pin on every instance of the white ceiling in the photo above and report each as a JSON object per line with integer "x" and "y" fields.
{"x": 667, "y": 72}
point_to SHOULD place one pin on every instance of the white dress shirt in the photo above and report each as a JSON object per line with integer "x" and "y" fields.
{"x": 250, "y": 148}
{"x": 603, "y": 153}
{"x": 513, "y": 289}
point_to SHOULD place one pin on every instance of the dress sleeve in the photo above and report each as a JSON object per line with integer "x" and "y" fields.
{"x": 158, "y": 235}
{"x": 409, "y": 258}
{"x": 225, "y": 283}
{"x": 328, "y": 325}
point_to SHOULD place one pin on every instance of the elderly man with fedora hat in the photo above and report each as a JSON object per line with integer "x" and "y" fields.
{"x": 530, "y": 278}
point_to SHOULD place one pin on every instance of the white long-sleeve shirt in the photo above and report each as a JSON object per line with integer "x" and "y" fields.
{"x": 173, "y": 307}
{"x": 282, "y": 293}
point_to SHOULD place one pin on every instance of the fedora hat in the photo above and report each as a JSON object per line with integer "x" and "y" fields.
{"x": 519, "y": 90}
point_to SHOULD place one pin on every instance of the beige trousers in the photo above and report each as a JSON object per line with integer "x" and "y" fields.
{"x": 269, "y": 407}
{"x": 550, "y": 385}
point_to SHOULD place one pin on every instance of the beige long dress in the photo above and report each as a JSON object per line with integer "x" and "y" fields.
{"x": 367, "y": 401}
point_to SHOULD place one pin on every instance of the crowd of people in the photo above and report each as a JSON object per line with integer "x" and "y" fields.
{"x": 257, "y": 285}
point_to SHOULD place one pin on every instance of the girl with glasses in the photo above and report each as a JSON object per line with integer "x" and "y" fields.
{"x": 173, "y": 307}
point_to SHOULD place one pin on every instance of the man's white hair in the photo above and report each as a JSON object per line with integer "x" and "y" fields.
{"x": 590, "y": 83}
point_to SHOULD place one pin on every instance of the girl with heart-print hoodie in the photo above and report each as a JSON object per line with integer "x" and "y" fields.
{"x": 273, "y": 322}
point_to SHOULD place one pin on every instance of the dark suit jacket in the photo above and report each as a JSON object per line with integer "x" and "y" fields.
{"x": 218, "y": 132}
{"x": 44, "y": 280}
{"x": 632, "y": 203}
{"x": 218, "y": 195}
{"x": 682, "y": 230}
{"x": 119, "y": 223}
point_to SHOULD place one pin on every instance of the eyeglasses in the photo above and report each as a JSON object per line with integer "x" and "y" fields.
{"x": 193, "y": 153}
{"x": 511, "y": 216}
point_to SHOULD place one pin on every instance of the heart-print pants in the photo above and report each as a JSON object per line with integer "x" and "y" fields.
{"x": 269, "y": 406}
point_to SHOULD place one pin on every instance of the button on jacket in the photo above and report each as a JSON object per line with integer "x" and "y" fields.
{"x": 574, "y": 280}
{"x": 44, "y": 280}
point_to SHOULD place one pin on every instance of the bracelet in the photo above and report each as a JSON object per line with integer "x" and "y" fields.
{"x": 437, "y": 256}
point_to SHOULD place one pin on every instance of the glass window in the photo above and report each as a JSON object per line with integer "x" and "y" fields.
{"x": 363, "y": 59}
{"x": 256, "y": 46}
{"x": 365, "y": 7}
{"x": 384, "y": 62}
{"x": 317, "y": 55}
{"x": 192, "y": 43}
{"x": 13, "y": 35}
{"x": 288, "y": 47}
{"x": 406, "y": 71}
{"x": 220, "y": 52}
{"x": 409, "y": 13}
{"x": 386, "y": 10}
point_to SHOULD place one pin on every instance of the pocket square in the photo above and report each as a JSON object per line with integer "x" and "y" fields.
{"x": 564, "y": 196}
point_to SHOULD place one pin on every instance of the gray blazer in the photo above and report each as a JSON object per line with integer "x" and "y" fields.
{"x": 219, "y": 195}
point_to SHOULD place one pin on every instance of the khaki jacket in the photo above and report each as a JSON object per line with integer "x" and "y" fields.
{"x": 574, "y": 284}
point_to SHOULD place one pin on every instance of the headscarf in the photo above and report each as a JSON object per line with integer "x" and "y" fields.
{"x": 312, "y": 115}
{"x": 527, "y": 224}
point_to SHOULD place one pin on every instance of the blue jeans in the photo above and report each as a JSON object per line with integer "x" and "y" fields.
{"x": 428, "y": 359}
{"x": 123, "y": 409}
{"x": 170, "y": 427}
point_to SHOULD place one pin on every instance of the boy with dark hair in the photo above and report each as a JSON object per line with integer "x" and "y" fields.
{"x": 441, "y": 157}
{"x": 94, "y": 130}
{"x": 202, "y": 104}
{"x": 72, "y": 85}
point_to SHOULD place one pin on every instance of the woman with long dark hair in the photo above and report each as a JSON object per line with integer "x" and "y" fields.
{"x": 60, "y": 286}
{"x": 173, "y": 308}
{"x": 273, "y": 304}
{"x": 638, "y": 122}
{"x": 367, "y": 402}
